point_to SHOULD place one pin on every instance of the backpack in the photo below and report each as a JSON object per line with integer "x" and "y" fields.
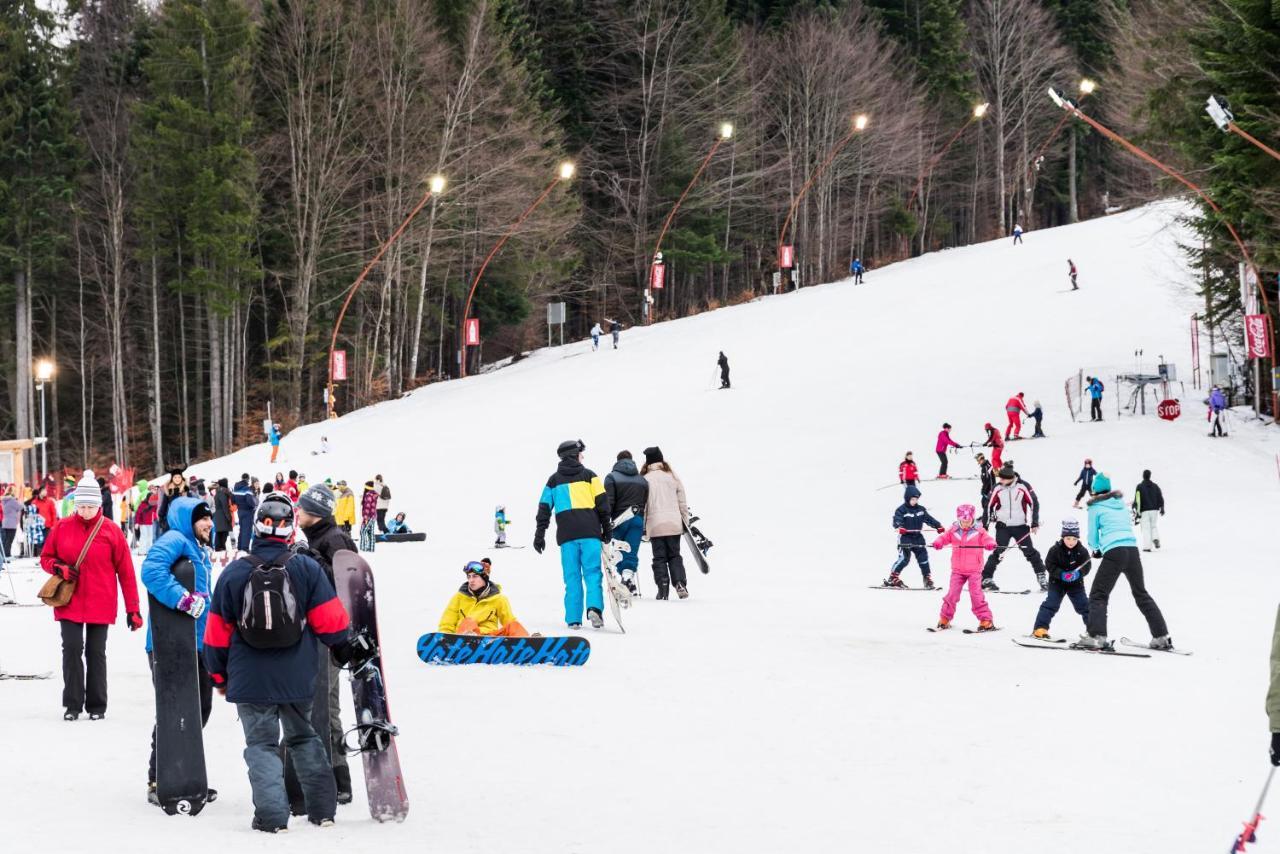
{"x": 269, "y": 615}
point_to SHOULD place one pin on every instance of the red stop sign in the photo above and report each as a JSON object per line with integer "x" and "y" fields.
{"x": 1169, "y": 409}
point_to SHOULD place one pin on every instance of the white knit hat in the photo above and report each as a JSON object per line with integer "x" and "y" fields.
{"x": 87, "y": 490}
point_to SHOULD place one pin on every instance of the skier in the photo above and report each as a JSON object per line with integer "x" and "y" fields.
{"x": 1037, "y": 415}
{"x": 368, "y": 517}
{"x": 723, "y": 362}
{"x": 86, "y": 551}
{"x": 344, "y": 514}
{"x": 190, "y": 527}
{"x": 1148, "y": 507}
{"x": 480, "y": 607}
{"x": 995, "y": 443}
{"x": 324, "y": 540}
{"x": 274, "y": 438}
{"x": 1014, "y": 408}
{"x": 1067, "y": 563}
{"x": 1071, "y": 271}
{"x": 500, "y": 524}
{"x": 908, "y": 474}
{"x": 265, "y": 662}
{"x": 1085, "y": 480}
{"x": 626, "y": 489}
{"x": 596, "y": 332}
{"x": 1095, "y": 388}
{"x": 987, "y": 481}
{"x": 1111, "y": 538}
{"x": 615, "y": 329}
{"x": 576, "y": 496}
{"x": 246, "y": 503}
{"x": 941, "y": 447}
{"x": 665, "y": 516}
{"x": 1017, "y": 234}
{"x": 384, "y": 502}
{"x": 856, "y": 269}
{"x": 967, "y": 544}
{"x": 910, "y": 519}
{"x": 1016, "y": 511}
{"x": 1217, "y": 403}
{"x": 221, "y": 515}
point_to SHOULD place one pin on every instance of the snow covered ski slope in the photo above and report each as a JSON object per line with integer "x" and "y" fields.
{"x": 784, "y": 706}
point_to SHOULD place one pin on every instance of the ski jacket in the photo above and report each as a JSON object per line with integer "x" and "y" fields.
{"x": 967, "y": 547}
{"x": 987, "y": 479}
{"x": 576, "y": 496}
{"x": 993, "y": 439}
{"x": 665, "y": 512}
{"x": 157, "y": 569}
{"x": 1147, "y": 496}
{"x": 1014, "y": 505}
{"x": 944, "y": 441}
{"x": 615, "y": 327}
{"x": 324, "y": 540}
{"x": 290, "y": 488}
{"x": 47, "y": 509}
{"x": 274, "y": 436}
{"x": 11, "y": 511}
{"x": 500, "y": 522}
{"x": 271, "y": 676}
{"x": 107, "y": 563}
{"x": 1061, "y": 561}
{"x": 1086, "y": 477}
{"x": 596, "y": 331}
{"x": 913, "y": 518}
{"x": 856, "y": 267}
{"x": 384, "y": 495}
{"x": 489, "y": 608}
{"x": 147, "y": 510}
{"x": 1015, "y": 404}
{"x": 624, "y": 487}
{"x": 344, "y": 513}
{"x": 167, "y": 496}
{"x": 395, "y": 526}
{"x": 1217, "y": 400}
{"x": 1096, "y": 388}
{"x": 246, "y": 502}
{"x": 907, "y": 472}
{"x": 1109, "y": 522}
{"x": 222, "y": 510}
{"x": 368, "y": 504}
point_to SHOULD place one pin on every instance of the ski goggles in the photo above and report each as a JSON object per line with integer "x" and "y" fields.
{"x": 474, "y": 567}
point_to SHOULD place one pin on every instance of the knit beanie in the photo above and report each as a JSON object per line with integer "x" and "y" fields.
{"x": 87, "y": 491}
{"x": 1006, "y": 472}
{"x": 1070, "y": 528}
{"x": 652, "y": 455}
{"x": 570, "y": 448}
{"x": 319, "y": 501}
{"x": 1101, "y": 484}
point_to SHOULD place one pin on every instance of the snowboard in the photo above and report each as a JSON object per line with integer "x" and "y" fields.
{"x": 444, "y": 648}
{"x": 375, "y": 734}
{"x": 414, "y": 537}
{"x": 181, "y": 784}
{"x": 618, "y": 594}
{"x": 699, "y": 545}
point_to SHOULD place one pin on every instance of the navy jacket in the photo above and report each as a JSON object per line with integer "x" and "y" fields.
{"x": 913, "y": 519}
{"x": 624, "y": 487}
{"x": 1061, "y": 559}
{"x": 244, "y": 500}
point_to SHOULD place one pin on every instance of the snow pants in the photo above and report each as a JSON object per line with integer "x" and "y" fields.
{"x": 84, "y": 649}
{"x": 246, "y": 532}
{"x": 668, "y": 565}
{"x": 275, "y": 449}
{"x": 1015, "y": 424}
{"x": 1053, "y": 600}
{"x": 1217, "y": 425}
{"x": 996, "y": 453}
{"x": 368, "y": 534}
{"x": 1038, "y": 432}
{"x": 1150, "y": 522}
{"x": 262, "y": 725}
{"x": 1019, "y": 535}
{"x": 580, "y": 564}
{"x": 1122, "y": 560}
{"x": 942, "y": 463}
{"x": 631, "y": 532}
{"x": 1095, "y": 409}
{"x": 977, "y": 600}
{"x": 905, "y": 551}
{"x": 512, "y": 629}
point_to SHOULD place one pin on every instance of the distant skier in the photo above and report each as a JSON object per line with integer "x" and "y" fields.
{"x": 723, "y": 362}
{"x": 1016, "y": 511}
{"x": 1085, "y": 480}
{"x": 1148, "y": 507}
{"x": 995, "y": 443}
{"x": 480, "y": 607}
{"x": 274, "y": 438}
{"x": 1071, "y": 271}
{"x": 1067, "y": 563}
{"x": 856, "y": 270}
{"x": 1217, "y": 403}
{"x": 576, "y": 496}
{"x": 1037, "y": 415}
{"x": 944, "y": 443}
{"x": 1014, "y": 408}
{"x": 1095, "y": 388}
{"x": 908, "y": 474}
{"x": 500, "y": 524}
{"x": 596, "y": 332}
{"x": 615, "y": 329}
{"x": 625, "y": 488}
{"x": 987, "y": 482}
{"x": 909, "y": 520}
{"x": 1017, "y": 234}
{"x": 967, "y": 543}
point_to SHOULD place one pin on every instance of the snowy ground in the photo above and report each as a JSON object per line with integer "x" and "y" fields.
{"x": 784, "y": 706}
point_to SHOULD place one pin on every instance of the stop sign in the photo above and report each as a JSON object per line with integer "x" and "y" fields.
{"x": 1169, "y": 409}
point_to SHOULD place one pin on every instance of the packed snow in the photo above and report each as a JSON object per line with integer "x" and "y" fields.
{"x": 784, "y": 706}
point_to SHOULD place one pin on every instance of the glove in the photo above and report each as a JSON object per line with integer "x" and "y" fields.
{"x": 539, "y": 542}
{"x": 937, "y": 545}
{"x": 1275, "y": 748}
{"x": 134, "y": 619}
{"x": 66, "y": 573}
{"x": 193, "y": 604}
{"x": 355, "y": 653}
{"x": 1097, "y": 554}
{"x": 940, "y": 529}
{"x": 606, "y": 537}
{"x": 903, "y": 531}
{"x": 1161, "y": 511}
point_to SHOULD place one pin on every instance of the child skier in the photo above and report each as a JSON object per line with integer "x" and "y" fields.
{"x": 967, "y": 542}
{"x": 500, "y": 524}
{"x": 1068, "y": 563}
{"x": 908, "y": 474}
{"x": 1037, "y": 414}
{"x": 910, "y": 519}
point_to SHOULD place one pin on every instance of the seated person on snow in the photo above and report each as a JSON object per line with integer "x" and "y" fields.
{"x": 480, "y": 607}
{"x": 395, "y": 526}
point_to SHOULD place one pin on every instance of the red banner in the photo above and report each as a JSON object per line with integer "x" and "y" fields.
{"x": 471, "y": 337}
{"x": 658, "y": 277}
{"x": 786, "y": 257}
{"x": 338, "y": 366}
{"x": 1257, "y": 339}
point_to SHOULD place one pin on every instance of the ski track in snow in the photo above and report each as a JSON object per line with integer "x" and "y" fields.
{"x": 784, "y": 706}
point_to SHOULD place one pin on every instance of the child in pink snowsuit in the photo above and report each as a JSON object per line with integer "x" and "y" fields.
{"x": 968, "y": 542}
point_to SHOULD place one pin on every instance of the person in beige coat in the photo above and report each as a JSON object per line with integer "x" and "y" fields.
{"x": 664, "y": 518}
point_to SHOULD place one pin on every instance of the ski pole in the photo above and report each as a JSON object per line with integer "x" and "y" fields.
{"x": 1249, "y": 834}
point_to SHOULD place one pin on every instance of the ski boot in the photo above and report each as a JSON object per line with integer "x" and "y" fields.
{"x": 943, "y": 624}
{"x": 1098, "y": 642}
{"x": 990, "y": 585}
{"x": 152, "y": 797}
{"x": 1042, "y": 634}
{"x": 662, "y": 593}
{"x": 682, "y": 591}
{"x": 928, "y": 583}
{"x": 342, "y": 781}
{"x": 893, "y": 581}
{"x": 986, "y": 626}
{"x": 597, "y": 621}
{"x": 1157, "y": 542}
{"x": 629, "y": 581}
{"x": 944, "y": 477}
{"x": 1043, "y": 578}
{"x": 1162, "y": 642}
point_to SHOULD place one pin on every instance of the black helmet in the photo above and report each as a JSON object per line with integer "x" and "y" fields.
{"x": 570, "y": 448}
{"x": 274, "y": 517}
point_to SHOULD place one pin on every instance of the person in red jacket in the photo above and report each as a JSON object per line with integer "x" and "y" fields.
{"x": 995, "y": 443}
{"x": 1015, "y": 407}
{"x": 908, "y": 474}
{"x": 944, "y": 443}
{"x": 42, "y": 504}
{"x": 93, "y": 607}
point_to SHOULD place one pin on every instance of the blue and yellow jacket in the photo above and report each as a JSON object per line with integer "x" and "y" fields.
{"x": 157, "y": 569}
{"x": 577, "y": 497}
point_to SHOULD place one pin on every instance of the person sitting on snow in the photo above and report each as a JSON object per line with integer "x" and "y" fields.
{"x": 480, "y": 607}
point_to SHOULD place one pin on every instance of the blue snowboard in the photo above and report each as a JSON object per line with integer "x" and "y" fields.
{"x": 443, "y": 648}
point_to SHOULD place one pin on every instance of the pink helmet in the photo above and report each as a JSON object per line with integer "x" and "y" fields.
{"x": 965, "y": 512}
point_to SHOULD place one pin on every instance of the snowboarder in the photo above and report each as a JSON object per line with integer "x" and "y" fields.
{"x": 615, "y": 329}
{"x": 1016, "y": 511}
{"x": 1095, "y": 388}
{"x": 944, "y": 443}
{"x": 856, "y": 269}
{"x": 274, "y": 438}
{"x": 987, "y": 483}
{"x": 995, "y": 443}
{"x": 368, "y": 517}
{"x": 1037, "y": 415}
{"x": 480, "y": 607}
{"x": 723, "y": 362}
{"x": 1217, "y": 403}
{"x": 625, "y": 489}
{"x": 1067, "y": 563}
{"x": 397, "y": 525}
{"x": 1085, "y": 480}
{"x": 1014, "y": 408}
{"x": 246, "y": 504}
{"x": 1017, "y": 234}
{"x": 1071, "y": 271}
{"x": 265, "y": 661}
{"x": 1148, "y": 507}
{"x": 344, "y": 514}
{"x": 1111, "y": 538}
{"x": 908, "y": 474}
{"x": 665, "y": 517}
{"x": 500, "y": 524}
{"x": 190, "y": 526}
{"x": 86, "y": 551}
{"x": 384, "y": 502}
{"x": 576, "y": 496}
{"x": 596, "y": 332}
{"x": 967, "y": 543}
{"x": 909, "y": 520}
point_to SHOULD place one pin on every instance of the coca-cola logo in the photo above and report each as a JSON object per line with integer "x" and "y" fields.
{"x": 1256, "y": 339}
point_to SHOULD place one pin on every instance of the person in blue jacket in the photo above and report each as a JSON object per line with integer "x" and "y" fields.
{"x": 1085, "y": 480}
{"x": 274, "y": 438}
{"x": 1095, "y": 388}
{"x": 190, "y": 529}
{"x": 1110, "y": 536}
{"x": 856, "y": 270}
{"x": 577, "y": 497}
{"x": 909, "y": 520}
{"x": 246, "y": 502}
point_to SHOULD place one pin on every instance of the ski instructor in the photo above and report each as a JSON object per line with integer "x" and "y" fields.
{"x": 577, "y": 497}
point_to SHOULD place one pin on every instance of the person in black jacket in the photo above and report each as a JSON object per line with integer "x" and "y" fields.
{"x": 987, "y": 480}
{"x": 1068, "y": 563}
{"x": 246, "y": 502}
{"x": 577, "y": 497}
{"x": 1148, "y": 507}
{"x": 1085, "y": 480}
{"x": 626, "y": 489}
{"x": 221, "y": 515}
{"x": 909, "y": 520}
{"x": 175, "y": 488}
{"x": 723, "y": 362}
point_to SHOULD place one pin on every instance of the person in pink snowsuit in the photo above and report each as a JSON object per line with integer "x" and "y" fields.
{"x": 968, "y": 542}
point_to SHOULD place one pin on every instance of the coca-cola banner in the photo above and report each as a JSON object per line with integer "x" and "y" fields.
{"x": 1257, "y": 341}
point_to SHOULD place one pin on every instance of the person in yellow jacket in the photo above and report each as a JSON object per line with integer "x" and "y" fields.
{"x": 344, "y": 513}
{"x": 480, "y": 607}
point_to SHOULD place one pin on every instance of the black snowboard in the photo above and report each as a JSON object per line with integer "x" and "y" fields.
{"x": 415, "y": 537}
{"x": 373, "y": 735}
{"x": 181, "y": 784}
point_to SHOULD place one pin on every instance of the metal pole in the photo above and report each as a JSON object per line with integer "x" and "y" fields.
{"x": 657, "y": 247}
{"x": 44, "y": 446}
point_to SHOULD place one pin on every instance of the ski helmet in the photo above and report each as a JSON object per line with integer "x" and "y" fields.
{"x": 499, "y": 508}
{"x": 965, "y": 513}
{"x": 274, "y": 517}
{"x": 570, "y": 448}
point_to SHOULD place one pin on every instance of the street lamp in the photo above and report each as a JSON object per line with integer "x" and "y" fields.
{"x": 563, "y": 173}
{"x": 44, "y": 374}
{"x": 1220, "y": 112}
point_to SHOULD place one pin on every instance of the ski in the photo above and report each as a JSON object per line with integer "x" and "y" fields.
{"x": 1127, "y": 642}
{"x": 1030, "y": 644}
{"x": 981, "y": 632}
{"x": 904, "y": 589}
{"x": 1009, "y": 592}
{"x": 1044, "y": 640}
{"x": 24, "y": 676}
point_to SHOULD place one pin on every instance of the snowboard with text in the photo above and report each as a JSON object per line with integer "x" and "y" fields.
{"x": 446, "y": 648}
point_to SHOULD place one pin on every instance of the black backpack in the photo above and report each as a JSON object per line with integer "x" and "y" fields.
{"x": 269, "y": 615}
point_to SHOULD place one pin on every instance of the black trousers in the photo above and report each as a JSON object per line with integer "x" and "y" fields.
{"x": 1095, "y": 409}
{"x": 667, "y": 562}
{"x": 6, "y": 540}
{"x": 206, "y": 706}
{"x": 220, "y": 541}
{"x": 942, "y": 463}
{"x": 1021, "y": 534}
{"x": 84, "y": 644}
{"x": 382, "y": 521}
{"x": 1122, "y": 560}
{"x": 724, "y": 378}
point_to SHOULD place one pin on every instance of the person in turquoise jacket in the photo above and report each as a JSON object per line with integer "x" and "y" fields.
{"x": 1111, "y": 537}
{"x": 188, "y": 537}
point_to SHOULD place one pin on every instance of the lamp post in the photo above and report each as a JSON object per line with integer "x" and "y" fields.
{"x": 1220, "y": 112}
{"x": 1087, "y": 88}
{"x": 857, "y": 125}
{"x": 979, "y": 111}
{"x": 44, "y": 374}
{"x": 724, "y": 135}
{"x": 435, "y": 186}
{"x": 563, "y": 173}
